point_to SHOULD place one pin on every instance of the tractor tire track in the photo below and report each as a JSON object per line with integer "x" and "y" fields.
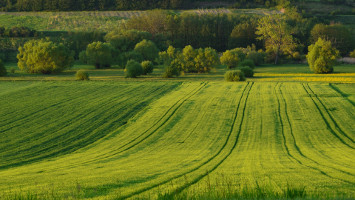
{"x": 345, "y": 96}
{"x": 294, "y": 139}
{"x": 43, "y": 111}
{"x": 337, "y": 128}
{"x": 167, "y": 115}
{"x": 250, "y": 84}
{"x": 295, "y": 143}
{"x": 73, "y": 142}
{"x": 108, "y": 101}
{"x": 245, "y": 94}
{"x": 282, "y": 126}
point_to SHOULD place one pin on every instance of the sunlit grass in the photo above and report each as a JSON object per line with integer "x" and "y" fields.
{"x": 293, "y": 73}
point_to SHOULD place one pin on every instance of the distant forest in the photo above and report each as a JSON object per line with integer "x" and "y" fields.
{"x": 100, "y": 5}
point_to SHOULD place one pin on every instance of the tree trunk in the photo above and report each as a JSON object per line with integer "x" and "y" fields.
{"x": 277, "y": 55}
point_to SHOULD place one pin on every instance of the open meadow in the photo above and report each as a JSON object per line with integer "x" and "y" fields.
{"x": 192, "y": 137}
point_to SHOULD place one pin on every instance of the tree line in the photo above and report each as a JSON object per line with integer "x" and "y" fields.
{"x": 100, "y": 5}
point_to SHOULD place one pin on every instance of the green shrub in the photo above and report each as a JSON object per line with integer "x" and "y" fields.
{"x": 82, "y": 75}
{"x": 322, "y": 56}
{"x": 234, "y": 76}
{"x": 248, "y": 72}
{"x": 147, "y": 66}
{"x": 133, "y": 69}
{"x": 231, "y": 58}
{"x": 247, "y": 62}
{"x": 352, "y": 54}
{"x": 3, "y": 71}
{"x": 41, "y": 56}
{"x": 172, "y": 70}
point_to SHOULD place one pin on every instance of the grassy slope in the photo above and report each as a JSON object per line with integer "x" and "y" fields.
{"x": 44, "y": 120}
{"x": 199, "y": 136}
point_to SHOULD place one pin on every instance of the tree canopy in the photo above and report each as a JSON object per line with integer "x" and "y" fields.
{"x": 277, "y": 35}
{"x": 41, "y": 56}
{"x": 322, "y": 56}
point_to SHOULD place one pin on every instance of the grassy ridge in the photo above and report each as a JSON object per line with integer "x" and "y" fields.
{"x": 201, "y": 140}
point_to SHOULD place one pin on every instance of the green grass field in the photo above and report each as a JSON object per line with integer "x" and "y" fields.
{"x": 193, "y": 137}
{"x": 287, "y": 73}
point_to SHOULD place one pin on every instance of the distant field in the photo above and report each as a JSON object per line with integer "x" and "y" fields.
{"x": 89, "y": 20}
{"x": 110, "y": 140}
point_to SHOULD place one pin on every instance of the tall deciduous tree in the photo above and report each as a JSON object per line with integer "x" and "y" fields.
{"x": 276, "y": 33}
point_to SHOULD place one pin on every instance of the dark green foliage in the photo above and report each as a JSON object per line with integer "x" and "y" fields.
{"x": 248, "y": 72}
{"x": 247, "y": 62}
{"x": 234, "y": 76}
{"x": 17, "y": 32}
{"x": 243, "y": 35}
{"x": 78, "y": 41}
{"x": 147, "y": 49}
{"x": 3, "y": 71}
{"x": 2, "y": 56}
{"x": 133, "y": 69}
{"x": 125, "y": 40}
{"x": 339, "y": 35}
{"x": 82, "y": 57}
{"x": 257, "y": 57}
{"x": 352, "y": 54}
{"x": 41, "y": 56}
{"x": 147, "y": 66}
{"x": 82, "y": 75}
{"x": 98, "y": 54}
{"x": 207, "y": 30}
{"x": 70, "y": 5}
{"x": 12, "y": 70}
{"x": 231, "y": 58}
{"x": 132, "y": 55}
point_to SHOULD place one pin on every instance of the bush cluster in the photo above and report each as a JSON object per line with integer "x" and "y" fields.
{"x": 147, "y": 66}
{"x": 248, "y": 72}
{"x": 234, "y": 76}
{"x": 173, "y": 69}
{"x": 247, "y": 63}
{"x": 322, "y": 57}
{"x": 82, "y": 75}
{"x": 133, "y": 69}
{"x": 189, "y": 59}
{"x": 46, "y": 57}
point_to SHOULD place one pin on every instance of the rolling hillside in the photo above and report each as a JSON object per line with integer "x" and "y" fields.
{"x": 109, "y": 140}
